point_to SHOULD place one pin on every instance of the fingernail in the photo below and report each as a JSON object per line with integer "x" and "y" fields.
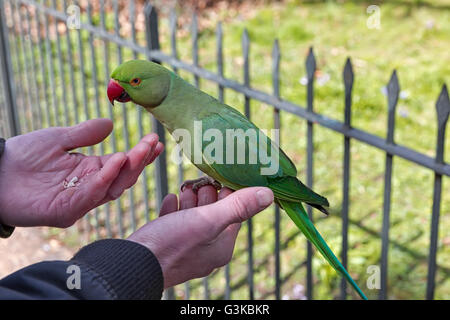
{"x": 123, "y": 160}
{"x": 264, "y": 197}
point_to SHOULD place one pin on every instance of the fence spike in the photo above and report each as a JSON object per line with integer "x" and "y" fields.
{"x": 348, "y": 87}
{"x": 443, "y": 106}
{"x": 443, "y": 111}
{"x": 348, "y": 75}
{"x": 310, "y": 64}
{"x": 393, "y": 91}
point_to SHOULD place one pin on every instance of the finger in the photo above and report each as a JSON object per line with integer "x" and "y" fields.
{"x": 236, "y": 208}
{"x": 134, "y": 165}
{"x": 158, "y": 150}
{"x": 169, "y": 204}
{"x": 224, "y": 192}
{"x": 206, "y": 195}
{"x": 85, "y": 134}
{"x": 188, "y": 199}
{"x": 223, "y": 246}
{"x": 149, "y": 139}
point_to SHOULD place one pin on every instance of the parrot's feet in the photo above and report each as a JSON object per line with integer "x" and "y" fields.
{"x": 200, "y": 182}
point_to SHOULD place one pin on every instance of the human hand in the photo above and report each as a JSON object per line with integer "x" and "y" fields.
{"x": 192, "y": 242}
{"x": 41, "y": 183}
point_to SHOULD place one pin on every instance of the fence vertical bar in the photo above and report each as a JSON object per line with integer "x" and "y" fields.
{"x": 246, "y": 52}
{"x": 61, "y": 70}
{"x": 83, "y": 78}
{"x": 140, "y": 114}
{"x": 23, "y": 61}
{"x": 49, "y": 56}
{"x": 71, "y": 71}
{"x": 221, "y": 96}
{"x": 31, "y": 48}
{"x": 126, "y": 134}
{"x": 85, "y": 101}
{"x": 119, "y": 60}
{"x": 443, "y": 110}
{"x": 310, "y": 70}
{"x": 393, "y": 90}
{"x": 173, "y": 45}
{"x": 152, "y": 37}
{"x": 19, "y": 84}
{"x": 37, "y": 19}
{"x": 27, "y": 79}
{"x": 97, "y": 102}
{"x": 348, "y": 86}
{"x": 110, "y": 113}
{"x": 22, "y": 84}
{"x": 174, "y": 52}
{"x": 194, "y": 31}
{"x": 27, "y": 45}
{"x": 8, "y": 76}
{"x": 276, "y": 57}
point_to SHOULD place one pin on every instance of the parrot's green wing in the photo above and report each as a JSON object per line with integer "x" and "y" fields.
{"x": 283, "y": 181}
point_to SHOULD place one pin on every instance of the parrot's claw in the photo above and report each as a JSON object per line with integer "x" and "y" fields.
{"x": 200, "y": 182}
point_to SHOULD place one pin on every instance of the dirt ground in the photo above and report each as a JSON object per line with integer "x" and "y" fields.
{"x": 27, "y": 246}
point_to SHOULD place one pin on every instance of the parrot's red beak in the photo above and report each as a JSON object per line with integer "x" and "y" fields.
{"x": 116, "y": 92}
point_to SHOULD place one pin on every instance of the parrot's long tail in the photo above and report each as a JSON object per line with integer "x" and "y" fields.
{"x": 298, "y": 214}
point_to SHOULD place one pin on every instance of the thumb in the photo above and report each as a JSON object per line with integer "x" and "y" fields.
{"x": 237, "y": 207}
{"x": 86, "y": 133}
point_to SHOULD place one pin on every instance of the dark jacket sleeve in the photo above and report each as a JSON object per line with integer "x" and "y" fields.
{"x": 105, "y": 269}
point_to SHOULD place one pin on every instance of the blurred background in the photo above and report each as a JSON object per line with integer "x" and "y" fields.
{"x": 60, "y": 67}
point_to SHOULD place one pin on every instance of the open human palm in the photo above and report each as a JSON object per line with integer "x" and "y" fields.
{"x": 46, "y": 184}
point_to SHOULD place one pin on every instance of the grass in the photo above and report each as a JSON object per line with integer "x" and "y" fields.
{"x": 413, "y": 39}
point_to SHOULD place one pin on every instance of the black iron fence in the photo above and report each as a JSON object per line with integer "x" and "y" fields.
{"x": 54, "y": 75}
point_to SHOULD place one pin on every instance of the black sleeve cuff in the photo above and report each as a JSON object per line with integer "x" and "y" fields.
{"x": 130, "y": 269}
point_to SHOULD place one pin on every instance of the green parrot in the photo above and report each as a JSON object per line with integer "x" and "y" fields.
{"x": 179, "y": 105}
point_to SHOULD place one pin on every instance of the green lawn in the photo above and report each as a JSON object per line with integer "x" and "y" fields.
{"x": 413, "y": 39}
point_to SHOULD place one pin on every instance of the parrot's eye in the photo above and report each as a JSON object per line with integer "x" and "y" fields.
{"x": 135, "y": 82}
